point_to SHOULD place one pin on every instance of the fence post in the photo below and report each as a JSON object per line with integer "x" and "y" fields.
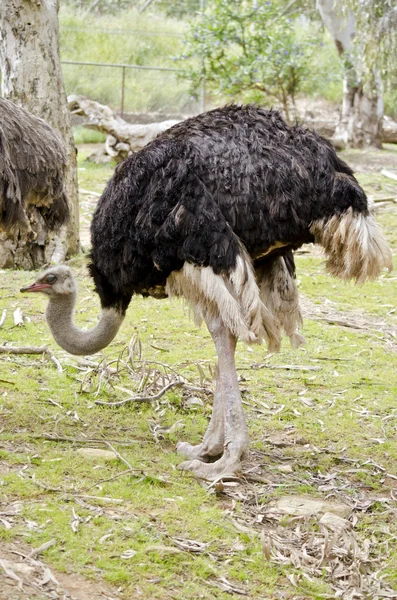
{"x": 122, "y": 90}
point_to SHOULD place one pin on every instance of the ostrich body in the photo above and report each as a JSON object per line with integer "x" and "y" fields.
{"x": 32, "y": 161}
{"x": 212, "y": 210}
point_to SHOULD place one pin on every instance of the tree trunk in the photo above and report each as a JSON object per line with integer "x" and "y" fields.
{"x": 32, "y": 78}
{"x": 362, "y": 107}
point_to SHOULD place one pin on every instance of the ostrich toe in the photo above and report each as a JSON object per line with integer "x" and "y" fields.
{"x": 228, "y": 466}
{"x": 207, "y": 451}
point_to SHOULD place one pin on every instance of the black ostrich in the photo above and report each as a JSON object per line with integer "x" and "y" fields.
{"x": 32, "y": 162}
{"x": 212, "y": 210}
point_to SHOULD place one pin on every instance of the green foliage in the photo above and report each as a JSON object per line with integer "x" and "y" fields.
{"x": 82, "y": 135}
{"x": 390, "y": 99}
{"x": 248, "y": 51}
{"x": 99, "y": 7}
{"x": 325, "y": 73}
{"x": 131, "y": 38}
{"x": 179, "y": 8}
{"x": 376, "y": 43}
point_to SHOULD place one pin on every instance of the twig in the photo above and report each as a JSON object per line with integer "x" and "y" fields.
{"x": 55, "y": 361}
{"x": 58, "y": 438}
{"x": 340, "y": 323}
{"x": 142, "y": 398}
{"x": 286, "y": 367}
{"x": 32, "y": 350}
{"x": 102, "y": 498}
{"x": 48, "y": 488}
{"x": 124, "y": 460}
{"x": 88, "y": 192}
{"x": 126, "y": 472}
{"x": 55, "y": 403}
{"x": 389, "y": 199}
{"x": 40, "y": 549}
{"x": 18, "y": 317}
{"x": 389, "y": 174}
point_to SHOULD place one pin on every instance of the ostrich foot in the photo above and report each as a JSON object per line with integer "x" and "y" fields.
{"x": 229, "y": 465}
{"x": 206, "y": 452}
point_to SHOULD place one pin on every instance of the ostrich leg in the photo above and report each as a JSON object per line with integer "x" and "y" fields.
{"x": 213, "y": 441}
{"x": 227, "y": 431}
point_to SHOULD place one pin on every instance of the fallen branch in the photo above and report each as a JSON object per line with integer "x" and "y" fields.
{"x": 118, "y": 455}
{"x": 89, "y": 193}
{"x": 341, "y": 323}
{"x": 286, "y": 367}
{"x": 57, "y": 438}
{"x": 40, "y": 549}
{"x": 122, "y": 138}
{"x": 32, "y": 350}
{"x": 384, "y": 200}
{"x": 143, "y": 398}
{"x": 106, "y": 499}
{"x": 389, "y": 174}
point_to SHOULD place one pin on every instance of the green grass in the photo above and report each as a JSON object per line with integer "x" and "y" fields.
{"x": 82, "y": 135}
{"x": 340, "y": 419}
{"x": 131, "y": 38}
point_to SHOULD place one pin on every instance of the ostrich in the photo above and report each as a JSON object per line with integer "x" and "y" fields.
{"x": 32, "y": 160}
{"x": 211, "y": 210}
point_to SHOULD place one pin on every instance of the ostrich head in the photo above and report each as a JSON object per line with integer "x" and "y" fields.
{"x": 55, "y": 281}
{"x": 58, "y": 284}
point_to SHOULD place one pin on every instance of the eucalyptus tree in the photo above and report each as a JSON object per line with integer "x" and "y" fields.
{"x": 364, "y": 32}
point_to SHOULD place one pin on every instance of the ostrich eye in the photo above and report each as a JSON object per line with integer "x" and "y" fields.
{"x": 51, "y": 279}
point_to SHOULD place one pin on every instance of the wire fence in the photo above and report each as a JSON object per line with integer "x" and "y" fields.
{"x": 141, "y": 86}
{"x": 143, "y": 94}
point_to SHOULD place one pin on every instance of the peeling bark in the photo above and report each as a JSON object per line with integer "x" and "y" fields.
{"x": 32, "y": 78}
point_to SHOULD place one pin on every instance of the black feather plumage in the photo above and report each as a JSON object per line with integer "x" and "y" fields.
{"x": 235, "y": 175}
{"x": 32, "y": 162}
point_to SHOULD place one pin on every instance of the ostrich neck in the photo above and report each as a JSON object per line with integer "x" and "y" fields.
{"x": 59, "y": 314}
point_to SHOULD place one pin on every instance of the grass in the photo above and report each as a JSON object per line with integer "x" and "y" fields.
{"x": 335, "y": 422}
{"x": 82, "y": 135}
{"x": 131, "y": 38}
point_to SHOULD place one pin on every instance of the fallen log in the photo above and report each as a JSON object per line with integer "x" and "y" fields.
{"x": 389, "y": 135}
{"x": 122, "y": 138}
{"x": 125, "y": 138}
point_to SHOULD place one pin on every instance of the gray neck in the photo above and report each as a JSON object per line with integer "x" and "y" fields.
{"x": 59, "y": 315}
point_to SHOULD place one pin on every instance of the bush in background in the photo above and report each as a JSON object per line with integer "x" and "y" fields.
{"x": 252, "y": 52}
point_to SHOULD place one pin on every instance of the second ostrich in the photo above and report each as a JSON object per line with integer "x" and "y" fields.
{"x": 212, "y": 210}
{"x": 32, "y": 164}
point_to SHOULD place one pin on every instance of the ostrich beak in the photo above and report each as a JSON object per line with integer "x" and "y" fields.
{"x": 35, "y": 287}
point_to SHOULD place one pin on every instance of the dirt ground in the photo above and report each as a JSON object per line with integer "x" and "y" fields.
{"x": 24, "y": 578}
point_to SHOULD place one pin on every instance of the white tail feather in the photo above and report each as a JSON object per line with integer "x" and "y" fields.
{"x": 354, "y": 245}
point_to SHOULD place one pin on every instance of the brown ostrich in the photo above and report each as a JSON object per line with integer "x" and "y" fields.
{"x": 212, "y": 210}
{"x": 32, "y": 162}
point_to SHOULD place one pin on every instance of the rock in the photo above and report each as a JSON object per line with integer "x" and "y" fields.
{"x": 306, "y": 506}
{"x": 97, "y": 454}
{"x": 194, "y": 401}
{"x": 334, "y": 522}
